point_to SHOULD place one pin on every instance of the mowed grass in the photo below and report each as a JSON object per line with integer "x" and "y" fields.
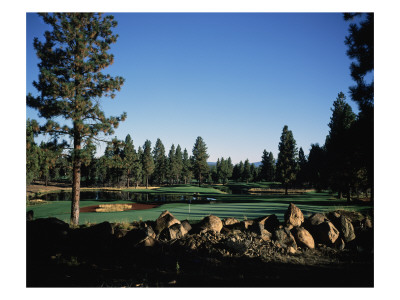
{"x": 226, "y": 205}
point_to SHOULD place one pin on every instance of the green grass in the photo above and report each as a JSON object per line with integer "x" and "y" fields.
{"x": 240, "y": 206}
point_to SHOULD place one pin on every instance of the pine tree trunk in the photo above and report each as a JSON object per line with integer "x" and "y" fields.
{"x": 340, "y": 195}
{"x": 147, "y": 182}
{"x": 76, "y": 179}
{"x": 199, "y": 179}
{"x": 286, "y": 190}
{"x": 349, "y": 195}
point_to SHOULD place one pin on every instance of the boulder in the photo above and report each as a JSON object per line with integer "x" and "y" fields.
{"x": 339, "y": 244}
{"x": 29, "y": 215}
{"x": 47, "y": 230}
{"x": 140, "y": 237}
{"x": 316, "y": 219}
{"x": 259, "y": 229}
{"x": 325, "y": 233}
{"x": 303, "y": 237}
{"x": 100, "y": 230}
{"x": 176, "y": 231}
{"x": 211, "y": 223}
{"x": 270, "y": 223}
{"x": 266, "y": 235}
{"x": 186, "y": 225}
{"x": 345, "y": 227}
{"x": 120, "y": 232}
{"x": 148, "y": 241}
{"x": 284, "y": 238}
{"x": 293, "y": 215}
{"x": 165, "y": 220}
{"x": 366, "y": 223}
{"x": 246, "y": 224}
{"x": 148, "y": 230}
{"x": 230, "y": 221}
{"x": 46, "y": 237}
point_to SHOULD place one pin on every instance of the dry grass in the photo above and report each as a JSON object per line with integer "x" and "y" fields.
{"x": 113, "y": 207}
{"x": 36, "y": 201}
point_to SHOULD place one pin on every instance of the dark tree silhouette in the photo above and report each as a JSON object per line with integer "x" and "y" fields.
{"x": 286, "y": 167}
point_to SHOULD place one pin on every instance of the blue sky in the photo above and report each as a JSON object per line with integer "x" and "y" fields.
{"x": 233, "y": 79}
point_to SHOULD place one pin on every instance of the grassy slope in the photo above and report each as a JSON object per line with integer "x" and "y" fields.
{"x": 238, "y": 206}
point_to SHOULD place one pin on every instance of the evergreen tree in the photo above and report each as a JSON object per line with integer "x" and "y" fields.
{"x": 267, "y": 168}
{"x": 360, "y": 42}
{"x": 271, "y": 173}
{"x": 241, "y": 171}
{"x": 214, "y": 174}
{"x": 302, "y": 163}
{"x": 138, "y": 170}
{"x": 172, "y": 167}
{"x": 254, "y": 173}
{"x": 147, "y": 162}
{"x": 200, "y": 156}
{"x": 160, "y": 162}
{"x": 32, "y": 151}
{"x": 246, "y": 171}
{"x": 230, "y": 168}
{"x": 316, "y": 167}
{"x": 264, "y": 165}
{"x": 179, "y": 163}
{"x": 339, "y": 146}
{"x": 129, "y": 159}
{"x": 286, "y": 167}
{"x": 88, "y": 167}
{"x": 114, "y": 162}
{"x": 186, "y": 167}
{"x": 48, "y": 155}
{"x": 70, "y": 82}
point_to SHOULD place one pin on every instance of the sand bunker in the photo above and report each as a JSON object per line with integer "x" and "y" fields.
{"x": 117, "y": 207}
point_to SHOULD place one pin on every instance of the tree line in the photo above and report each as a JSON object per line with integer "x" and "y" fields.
{"x": 334, "y": 166}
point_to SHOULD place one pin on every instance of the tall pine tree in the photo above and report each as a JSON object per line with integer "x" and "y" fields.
{"x": 160, "y": 162}
{"x": 360, "y": 42}
{"x": 179, "y": 163}
{"x": 129, "y": 158}
{"x": 339, "y": 146}
{"x": 286, "y": 167}
{"x": 200, "y": 156}
{"x": 71, "y": 82}
{"x": 186, "y": 167}
{"x": 147, "y": 162}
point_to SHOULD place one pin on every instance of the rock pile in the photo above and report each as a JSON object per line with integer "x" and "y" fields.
{"x": 230, "y": 236}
